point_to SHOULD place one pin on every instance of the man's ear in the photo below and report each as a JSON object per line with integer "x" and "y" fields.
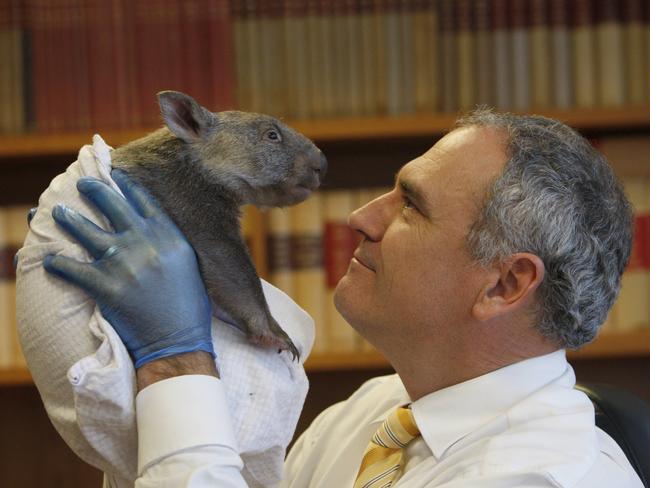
{"x": 186, "y": 119}
{"x": 511, "y": 286}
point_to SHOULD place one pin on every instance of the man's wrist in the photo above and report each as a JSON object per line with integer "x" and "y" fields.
{"x": 198, "y": 362}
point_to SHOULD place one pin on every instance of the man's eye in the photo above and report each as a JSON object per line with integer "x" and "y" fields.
{"x": 407, "y": 204}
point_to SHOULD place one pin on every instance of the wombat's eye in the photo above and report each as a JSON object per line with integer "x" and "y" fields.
{"x": 273, "y": 135}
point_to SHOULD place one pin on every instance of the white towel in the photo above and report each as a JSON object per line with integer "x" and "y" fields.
{"x": 85, "y": 375}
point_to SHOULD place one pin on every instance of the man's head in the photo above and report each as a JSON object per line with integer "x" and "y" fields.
{"x": 508, "y": 225}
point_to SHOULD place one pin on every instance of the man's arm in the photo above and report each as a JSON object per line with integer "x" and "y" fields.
{"x": 145, "y": 279}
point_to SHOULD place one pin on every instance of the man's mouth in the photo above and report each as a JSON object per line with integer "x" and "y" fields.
{"x": 362, "y": 261}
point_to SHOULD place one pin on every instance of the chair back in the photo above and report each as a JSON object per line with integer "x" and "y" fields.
{"x": 626, "y": 418}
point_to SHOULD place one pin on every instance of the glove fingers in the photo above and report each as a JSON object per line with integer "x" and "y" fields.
{"x": 118, "y": 211}
{"x": 94, "y": 239}
{"x": 83, "y": 275}
{"x": 140, "y": 198}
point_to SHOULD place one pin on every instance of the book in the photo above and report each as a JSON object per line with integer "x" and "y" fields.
{"x": 466, "y": 55}
{"x": 485, "y": 72}
{"x": 16, "y": 231}
{"x": 521, "y": 59}
{"x": 242, "y": 47}
{"x": 368, "y": 62}
{"x": 307, "y": 262}
{"x": 633, "y": 307}
{"x": 297, "y": 52}
{"x": 609, "y": 46}
{"x": 278, "y": 248}
{"x": 561, "y": 50}
{"x": 502, "y": 55}
{"x": 635, "y": 59}
{"x": 584, "y": 54}
{"x": 394, "y": 57}
{"x": 540, "y": 54}
{"x": 448, "y": 57}
{"x": 6, "y": 293}
{"x": 426, "y": 57}
{"x": 339, "y": 242}
{"x": 407, "y": 65}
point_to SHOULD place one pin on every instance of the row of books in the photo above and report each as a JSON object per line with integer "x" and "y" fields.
{"x": 79, "y": 64}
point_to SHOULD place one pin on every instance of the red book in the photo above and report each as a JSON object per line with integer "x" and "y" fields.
{"x": 195, "y": 59}
{"x": 221, "y": 48}
{"x": 38, "y": 20}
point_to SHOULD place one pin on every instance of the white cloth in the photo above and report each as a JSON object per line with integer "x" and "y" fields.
{"x": 520, "y": 426}
{"x": 87, "y": 380}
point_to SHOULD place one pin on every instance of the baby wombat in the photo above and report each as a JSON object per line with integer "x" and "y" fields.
{"x": 202, "y": 167}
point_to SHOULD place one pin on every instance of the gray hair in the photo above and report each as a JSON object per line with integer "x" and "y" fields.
{"x": 557, "y": 198}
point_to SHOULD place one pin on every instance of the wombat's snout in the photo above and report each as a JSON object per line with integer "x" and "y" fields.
{"x": 320, "y": 165}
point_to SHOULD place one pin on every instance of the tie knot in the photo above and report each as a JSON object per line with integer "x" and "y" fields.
{"x": 397, "y": 430}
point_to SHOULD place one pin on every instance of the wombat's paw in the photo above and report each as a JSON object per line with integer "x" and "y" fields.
{"x": 280, "y": 341}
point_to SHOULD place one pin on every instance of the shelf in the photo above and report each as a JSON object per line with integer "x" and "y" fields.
{"x": 340, "y": 129}
{"x": 609, "y": 345}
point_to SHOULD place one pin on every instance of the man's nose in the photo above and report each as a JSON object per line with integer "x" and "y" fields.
{"x": 371, "y": 219}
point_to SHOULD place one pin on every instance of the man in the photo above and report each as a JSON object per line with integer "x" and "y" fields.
{"x": 497, "y": 249}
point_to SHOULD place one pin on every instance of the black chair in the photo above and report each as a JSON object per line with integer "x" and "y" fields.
{"x": 626, "y": 418}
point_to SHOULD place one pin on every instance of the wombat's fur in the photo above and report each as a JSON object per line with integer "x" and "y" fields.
{"x": 202, "y": 167}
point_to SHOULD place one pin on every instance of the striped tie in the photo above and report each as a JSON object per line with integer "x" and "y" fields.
{"x": 383, "y": 457}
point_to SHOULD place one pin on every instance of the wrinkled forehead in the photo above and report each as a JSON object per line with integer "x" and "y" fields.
{"x": 460, "y": 166}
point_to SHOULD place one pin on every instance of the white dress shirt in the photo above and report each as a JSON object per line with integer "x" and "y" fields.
{"x": 520, "y": 426}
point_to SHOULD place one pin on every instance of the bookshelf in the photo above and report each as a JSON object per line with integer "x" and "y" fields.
{"x": 351, "y": 129}
{"x": 609, "y": 345}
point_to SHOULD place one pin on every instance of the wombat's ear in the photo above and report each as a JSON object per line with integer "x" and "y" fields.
{"x": 183, "y": 116}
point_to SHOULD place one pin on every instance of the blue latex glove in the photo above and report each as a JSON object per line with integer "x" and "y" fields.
{"x": 145, "y": 276}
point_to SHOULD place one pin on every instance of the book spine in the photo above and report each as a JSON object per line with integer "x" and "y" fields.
{"x": 636, "y": 70}
{"x": 425, "y": 53}
{"x": 355, "y": 55}
{"x": 448, "y": 58}
{"x": 16, "y": 218}
{"x": 584, "y": 53}
{"x": 340, "y": 58}
{"x": 540, "y": 54}
{"x": 611, "y": 86}
{"x": 242, "y": 52}
{"x": 381, "y": 47}
{"x": 408, "y": 67}
{"x": 297, "y": 52}
{"x": 339, "y": 242}
{"x": 484, "y": 48}
{"x": 307, "y": 260}
{"x": 633, "y": 306}
{"x": 502, "y": 54}
{"x": 368, "y": 72}
{"x": 255, "y": 39}
{"x": 6, "y": 68}
{"x": 466, "y": 55}
{"x": 521, "y": 70}
{"x": 561, "y": 54}
{"x": 6, "y": 293}
{"x": 279, "y": 250}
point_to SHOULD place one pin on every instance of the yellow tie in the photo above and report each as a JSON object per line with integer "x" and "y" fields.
{"x": 383, "y": 457}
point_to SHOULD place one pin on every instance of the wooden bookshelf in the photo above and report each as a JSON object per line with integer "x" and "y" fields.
{"x": 609, "y": 345}
{"x": 340, "y": 129}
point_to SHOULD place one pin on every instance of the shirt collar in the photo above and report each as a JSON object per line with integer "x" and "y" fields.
{"x": 446, "y": 416}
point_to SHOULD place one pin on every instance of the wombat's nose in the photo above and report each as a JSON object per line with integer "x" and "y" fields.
{"x": 322, "y": 166}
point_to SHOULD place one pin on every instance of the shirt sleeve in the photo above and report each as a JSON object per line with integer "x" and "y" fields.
{"x": 185, "y": 436}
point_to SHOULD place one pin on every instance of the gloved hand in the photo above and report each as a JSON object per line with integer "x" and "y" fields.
{"x": 145, "y": 277}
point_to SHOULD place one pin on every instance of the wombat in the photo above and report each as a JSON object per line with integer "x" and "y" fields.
{"x": 202, "y": 167}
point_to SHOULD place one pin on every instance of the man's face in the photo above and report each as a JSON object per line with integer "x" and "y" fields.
{"x": 412, "y": 276}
